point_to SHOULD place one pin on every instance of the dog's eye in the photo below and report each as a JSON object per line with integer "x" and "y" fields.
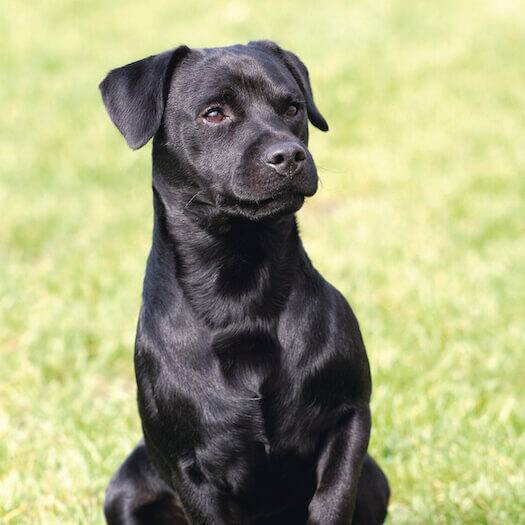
{"x": 214, "y": 115}
{"x": 292, "y": 110}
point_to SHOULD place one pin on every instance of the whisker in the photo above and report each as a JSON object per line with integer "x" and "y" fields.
{"x": 188, "y": 203}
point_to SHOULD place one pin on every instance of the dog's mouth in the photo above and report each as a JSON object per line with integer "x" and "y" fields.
{"x": 280, "y": 203}
{"x": 277, "y": 198}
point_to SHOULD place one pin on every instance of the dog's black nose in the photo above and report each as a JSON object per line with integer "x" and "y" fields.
{"x": 286, "y": 158}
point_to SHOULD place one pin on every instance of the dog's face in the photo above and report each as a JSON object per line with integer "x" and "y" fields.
{"x": 234, "y": 119}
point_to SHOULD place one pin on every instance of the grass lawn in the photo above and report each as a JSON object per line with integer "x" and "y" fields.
{"x": 420, "y": 221}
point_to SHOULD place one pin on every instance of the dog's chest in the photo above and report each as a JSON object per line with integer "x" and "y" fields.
{"x": 245, "y": 360}
{"x": 246, "y": 365}
{"x": 258, "y": 452}
{"x": 260, "y": 402}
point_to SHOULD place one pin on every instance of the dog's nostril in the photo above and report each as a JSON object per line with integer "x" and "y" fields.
{"x": 299, "y": 156}
{"x": 277, "y": 159}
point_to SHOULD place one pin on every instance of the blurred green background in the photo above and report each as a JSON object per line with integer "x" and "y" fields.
{"x": 419, "y": 221}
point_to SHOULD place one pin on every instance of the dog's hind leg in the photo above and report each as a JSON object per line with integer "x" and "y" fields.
{"x": 373, "y": 494}
{"x": 137, "y": 495}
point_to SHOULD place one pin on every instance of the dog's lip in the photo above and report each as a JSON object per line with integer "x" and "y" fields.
{"x": 259, "y": 203}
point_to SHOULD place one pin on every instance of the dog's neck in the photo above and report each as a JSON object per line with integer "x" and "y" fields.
{"x": 232, "y": 271}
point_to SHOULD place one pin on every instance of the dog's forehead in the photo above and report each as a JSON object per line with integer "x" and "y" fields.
{"x": 239, "y": 68}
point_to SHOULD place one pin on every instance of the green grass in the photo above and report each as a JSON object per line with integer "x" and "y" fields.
{"x": 419, "y": 221}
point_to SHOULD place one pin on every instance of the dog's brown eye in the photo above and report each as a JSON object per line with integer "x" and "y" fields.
{"x": 214, "y": 115}
{"x": 292, "y": 110}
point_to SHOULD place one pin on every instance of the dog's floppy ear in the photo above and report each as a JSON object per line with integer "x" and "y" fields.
{"x": 134, "y": 95}
{"x": 300, "y": 74}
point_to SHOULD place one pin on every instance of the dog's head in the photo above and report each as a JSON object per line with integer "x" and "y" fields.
{"x": 232, "y": 123}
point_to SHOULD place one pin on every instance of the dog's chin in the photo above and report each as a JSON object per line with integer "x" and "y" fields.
{"x": 258, "y": 209}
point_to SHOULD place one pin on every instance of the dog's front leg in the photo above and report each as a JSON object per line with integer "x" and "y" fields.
{"x": 339, "y": 468}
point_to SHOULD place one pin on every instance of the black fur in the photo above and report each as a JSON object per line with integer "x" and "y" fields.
{"x": 253, "y": 380}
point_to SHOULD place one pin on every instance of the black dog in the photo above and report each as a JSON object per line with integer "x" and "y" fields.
{"x": 253, "y": 380}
